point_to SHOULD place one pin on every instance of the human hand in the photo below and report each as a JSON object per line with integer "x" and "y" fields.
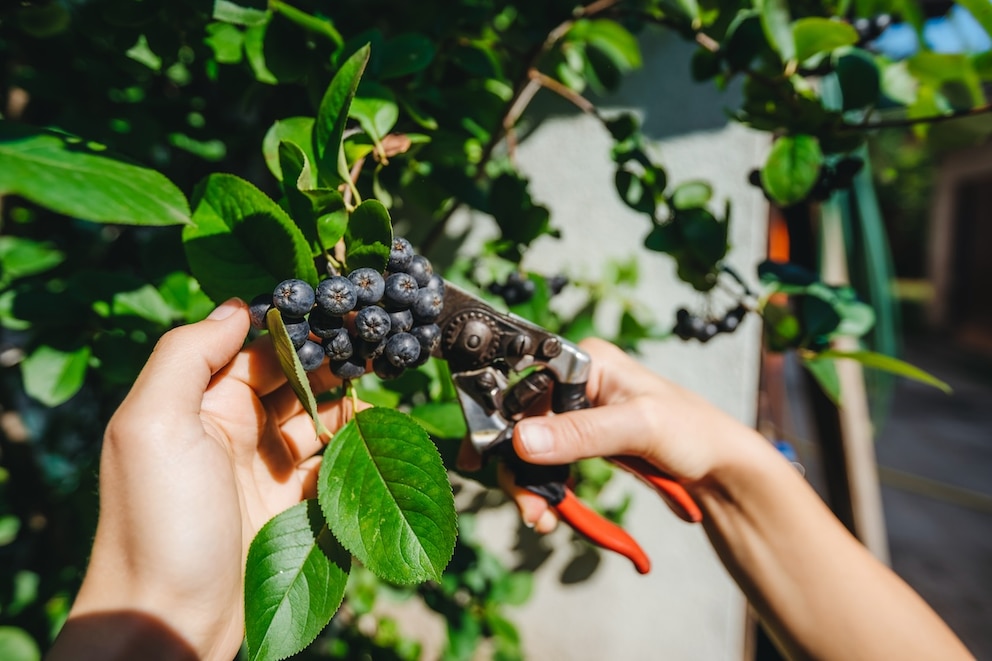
{"x": 209, "y": 444}
{"x": 635, "y": 412}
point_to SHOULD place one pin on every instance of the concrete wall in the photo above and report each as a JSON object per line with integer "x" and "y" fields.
{"x": 687, "y": 607}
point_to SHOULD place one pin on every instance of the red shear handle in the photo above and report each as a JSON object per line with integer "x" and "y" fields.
{"x": 674, "y": 493}
{"x": 601, "y": 531}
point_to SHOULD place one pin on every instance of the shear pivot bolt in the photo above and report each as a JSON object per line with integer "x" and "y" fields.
{"x": 551, "y": 347}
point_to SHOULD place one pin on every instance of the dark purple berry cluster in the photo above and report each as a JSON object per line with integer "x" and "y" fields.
{"x": 386, "y": 318}
{"x": 689, "y": 326}
{"x": 518, "y": 288}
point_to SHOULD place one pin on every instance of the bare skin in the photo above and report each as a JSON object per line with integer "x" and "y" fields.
{"x": 821, "y": 593}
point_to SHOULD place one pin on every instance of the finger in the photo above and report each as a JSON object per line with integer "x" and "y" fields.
{"x": 534, "y": 509}
{"x": 622, "y": 428}
{"x": 185, "y": 359}
{"x": 308, "y": 472}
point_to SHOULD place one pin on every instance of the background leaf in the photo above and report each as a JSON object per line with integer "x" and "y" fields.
{"x": 242, "y": 243}
{"x": 369, "y": 236}
{"x": 815, "y": 35}
{"x": 792, "y": 168}
{"x": 386, "y": 496}
{"x": 295, "y": 578}
{"x": 80, "y": 180}
{"x": 52, "y": 375}
{"x": 880, "y": 361}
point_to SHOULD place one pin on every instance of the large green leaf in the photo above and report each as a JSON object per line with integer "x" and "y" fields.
{"x": 81, "y": 180}
{"x": 289, "y": 360}
{"x": 242, "y": 243}
{"x": 53, "y": 375}
{"x": 386, "y": 496}
{"x": 332, "y": 116}
{"x": 792, "y": 168}
{"x": 815, "y": 35}
{"x": 369, "y": 236}
{"x": 295, "y": 578}
{"x": 375, "y": 109}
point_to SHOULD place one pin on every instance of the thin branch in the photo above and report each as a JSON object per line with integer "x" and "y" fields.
{"x": 576, "y": 99}
{"x": 913, "y": 121}
{"x": 523, "y": 92}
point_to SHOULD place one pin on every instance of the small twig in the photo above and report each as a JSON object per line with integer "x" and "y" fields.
{"x": 913, "y": 121}
{"x": 352, "y": 184}
{"x": 576, "y": 99}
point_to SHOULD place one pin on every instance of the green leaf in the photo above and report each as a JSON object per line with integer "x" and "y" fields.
{"x": 815, "y": 35}
{"x": 145, "y": 302}
{"x": 825, "y": 373}
{"x": 295, "y": 578}
{"x": 10, "y": 525}
{"x": 375, "y": 109}
{"x": 293, "y": 369}
{"x": 332, "y": 115}
{"x": 859, "y": 79}
{"x": 611, "y": 39}
{"x": 405, "y": 54}
{"x": 880, "y": 361}
{"x": 898, "y": 83}
{"x": 52, "y": 375}
{"x": 20, "y": 257}
{"x": 79, "y": 179}
{"x": 226, "y": 41}
{"x": 231, "y": 12}
{"x": 386, "y": 496}
{"x": 777, "y": 25}
{"x": 793, "y": 166}
{"x": 242, "y": 243}
{"x": 691, "y": 194}
{"x": 255, "y": 52}
{"x": 441, "y": 419}
{"x": 17, "y": 645}
{"x": 368, "y": 237}
{"x": 296, "y": 130}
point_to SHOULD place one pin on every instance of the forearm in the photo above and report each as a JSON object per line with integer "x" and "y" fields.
{"x": 819, "y": 591}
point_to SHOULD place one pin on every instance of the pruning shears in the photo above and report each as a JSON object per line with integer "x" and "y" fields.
{"x": 502, "y": 365}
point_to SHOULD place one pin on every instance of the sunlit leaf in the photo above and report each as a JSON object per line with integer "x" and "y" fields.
{"x": 82, "y": 180}
{"x": 792, "y": 168}
{"x": 295, "y": 578}
{"x": 293, "y": 369}
{"x": 815, "y": 35}
{"x": 53, "y": 375}
{"x": 880, "y": 361}
{"x": 386, "y": 496}
{"x": 332, "y": 116}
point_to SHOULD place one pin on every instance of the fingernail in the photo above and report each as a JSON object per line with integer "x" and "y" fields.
{"x": 547, "y": 523}
{"x": 535, "y": 437}
{"x": 225, "y": 309}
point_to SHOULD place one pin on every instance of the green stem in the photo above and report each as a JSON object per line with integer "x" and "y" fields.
{"x": 306, "y": 21}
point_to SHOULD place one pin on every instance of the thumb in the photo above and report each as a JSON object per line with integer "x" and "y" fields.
{"x": 185, "y": 359}
{"x": 596, "y": 432}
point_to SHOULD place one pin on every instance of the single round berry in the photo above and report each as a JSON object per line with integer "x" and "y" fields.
{"x": 336, "y": 295}
{"x": 429, "y": 336}
{"x": 400, "y": 254}
{"x": 299, "y": 331}
{"x": 338, "y": 345}
{"x": 400, "y": 291}
{"x": 400, "y": 321}
{"x": 352, "y": 368}
{"x": 311, "y": 355}
{"x": 385, "y": 370}
{"x": 372, "y": 323}
{"x": 402, "y": 349}
{"x": 293, "y": 297}
{"x": 257, "y": 310}
{"x": 369, "y": 285}
{"x": 435, "y": 284}
{"x": 427, "y": 306}
{"x": 324, "y": 325}
{"x": 732, "y": 319}
{"x": 421, "y": 269}
{"x": 709, "y": 331}
{"x": 556, "y": 283}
